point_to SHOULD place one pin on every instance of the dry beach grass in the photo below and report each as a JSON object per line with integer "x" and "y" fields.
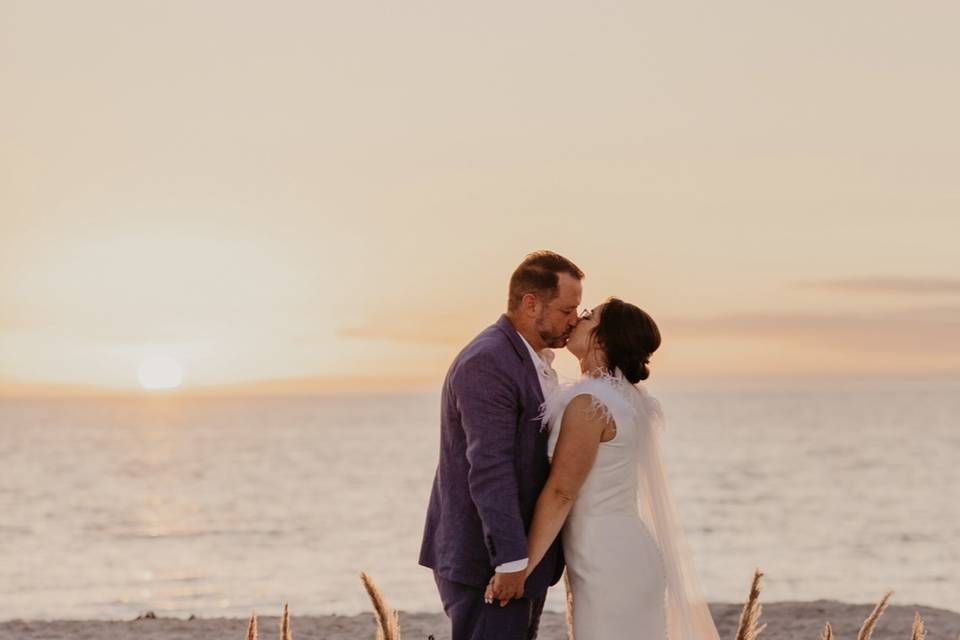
{"x": 750, "y": 616}
{"x": 388, "y": 620}
{"x": 748, "y": 628}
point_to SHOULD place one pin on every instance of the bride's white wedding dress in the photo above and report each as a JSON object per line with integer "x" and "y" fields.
{"x": 629, "y": 568}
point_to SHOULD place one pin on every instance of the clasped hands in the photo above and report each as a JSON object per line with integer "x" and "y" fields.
{"x": 505, "y": 587}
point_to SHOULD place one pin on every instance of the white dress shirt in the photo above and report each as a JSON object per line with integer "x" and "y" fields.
{"x": 543, "y": 361}
{"x": 549, "y": 382}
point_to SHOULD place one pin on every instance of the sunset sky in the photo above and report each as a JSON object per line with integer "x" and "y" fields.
{"x": 339, "y": 191}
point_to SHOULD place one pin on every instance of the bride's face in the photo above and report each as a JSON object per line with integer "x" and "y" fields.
{"x": 581, "y": 340}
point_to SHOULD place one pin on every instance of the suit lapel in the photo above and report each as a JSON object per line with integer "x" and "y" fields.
{"x": 529, "y": 369}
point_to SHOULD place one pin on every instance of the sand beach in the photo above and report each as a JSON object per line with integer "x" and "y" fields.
{"x": 785, "y": 620}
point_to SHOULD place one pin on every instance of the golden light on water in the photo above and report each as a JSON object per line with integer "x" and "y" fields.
{"x": 160, "y": 372}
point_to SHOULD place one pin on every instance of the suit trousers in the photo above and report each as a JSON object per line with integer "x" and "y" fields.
{"x": 473, "y": 619}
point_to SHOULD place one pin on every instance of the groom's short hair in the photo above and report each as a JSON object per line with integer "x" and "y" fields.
{"x": 539, "y": 274}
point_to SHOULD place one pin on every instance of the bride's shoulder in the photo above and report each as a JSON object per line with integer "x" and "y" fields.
{"x": 599, "y": 395}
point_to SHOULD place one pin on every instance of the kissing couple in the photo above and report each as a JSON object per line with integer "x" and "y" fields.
{"x": 524, "y": 458}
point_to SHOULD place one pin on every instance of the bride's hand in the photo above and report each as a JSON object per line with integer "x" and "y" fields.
{"x": 488, "y": 596}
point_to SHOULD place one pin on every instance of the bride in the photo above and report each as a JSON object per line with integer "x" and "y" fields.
{"x": 629, "y": 566}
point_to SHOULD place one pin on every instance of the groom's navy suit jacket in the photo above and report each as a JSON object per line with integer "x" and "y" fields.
{"x": 493, "y": 464}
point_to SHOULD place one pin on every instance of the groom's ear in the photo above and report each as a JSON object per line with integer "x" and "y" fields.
{"x": 529, "y": 302}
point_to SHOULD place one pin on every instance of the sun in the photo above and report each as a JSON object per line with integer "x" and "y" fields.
{"x": 160, "y": 372}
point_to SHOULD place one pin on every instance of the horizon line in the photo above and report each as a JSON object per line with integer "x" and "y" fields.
{"x": 360, "y": 385}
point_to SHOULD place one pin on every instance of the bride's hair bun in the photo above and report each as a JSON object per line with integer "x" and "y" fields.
{"x": 628, "y": 337}
{"x": 635, "y": 370}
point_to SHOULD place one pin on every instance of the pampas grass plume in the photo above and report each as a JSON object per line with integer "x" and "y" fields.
{"x": 918, "y": 632}
{"x": 388, "y": 621}
{"x": 285, "y": 623}
{"x": 252, "y": 627}
{"x": 747, "y": 629}
{"x": 569, "y": 587}
{"x": 867, "y": 629}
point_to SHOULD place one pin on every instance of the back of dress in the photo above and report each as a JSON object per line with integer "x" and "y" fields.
{"x": 615, "y": 566}
{"x": 611, "y": 486}
{"x": 630, "y": 568}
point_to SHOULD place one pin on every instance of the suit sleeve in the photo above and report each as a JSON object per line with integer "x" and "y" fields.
{"x": 489, "y": 406}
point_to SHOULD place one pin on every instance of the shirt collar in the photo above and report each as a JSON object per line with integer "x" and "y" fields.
{"x": 546, "y": 356}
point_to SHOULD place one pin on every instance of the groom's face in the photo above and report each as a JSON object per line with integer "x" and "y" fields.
{"x": 558, "y": 317}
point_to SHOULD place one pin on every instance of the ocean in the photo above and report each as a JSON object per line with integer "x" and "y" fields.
{"x": 219, "y": 506}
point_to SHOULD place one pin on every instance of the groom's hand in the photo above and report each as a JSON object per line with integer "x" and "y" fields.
{"x": 508, "y": 586}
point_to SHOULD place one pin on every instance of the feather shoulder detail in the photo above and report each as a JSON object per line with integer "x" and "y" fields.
{"x": 611, "y": 396}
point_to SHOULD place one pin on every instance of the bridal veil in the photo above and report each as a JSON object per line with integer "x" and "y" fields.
{"x": 688, "y": 616}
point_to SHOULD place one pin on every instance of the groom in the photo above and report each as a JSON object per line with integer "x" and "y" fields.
{"x": 493, "y": 458}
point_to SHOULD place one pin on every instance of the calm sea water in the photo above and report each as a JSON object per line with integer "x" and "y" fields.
{"x": 215, "y": 507}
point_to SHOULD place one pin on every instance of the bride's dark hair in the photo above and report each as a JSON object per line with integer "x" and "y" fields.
{"x": 628, "y": 337}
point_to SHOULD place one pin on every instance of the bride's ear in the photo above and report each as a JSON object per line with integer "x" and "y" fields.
{"x": 601, "y": 351}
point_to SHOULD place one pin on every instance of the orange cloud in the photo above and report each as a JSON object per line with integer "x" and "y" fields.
{"x": 892, "y": 285}
{"x": 933, "y": 331}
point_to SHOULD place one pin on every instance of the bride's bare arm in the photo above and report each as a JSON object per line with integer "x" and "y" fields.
{"x": 581, "y": 432}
